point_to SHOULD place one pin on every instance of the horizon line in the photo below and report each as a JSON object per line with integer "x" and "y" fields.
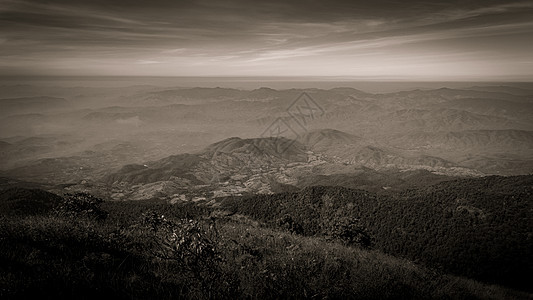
{"x": 270, "y": 77}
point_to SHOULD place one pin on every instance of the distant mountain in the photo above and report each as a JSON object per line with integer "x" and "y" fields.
{"x": 196, "y": 93}
{"x": 351, "y": 92}
{"x": 229, "y": 156}
{"x": 33, "y": 101}
{"x": 492, "y": 106}
{"x": 451, "y": 94}
{"x": 323, "y": 138}
{"x": 176, "y": 167}
{"x": 484, "y": 141}
{"x": 266, "y": 147}
{"x": 215, "y": 95}
{"x": 347, "y": 148}
{"x": 147, "y": 114}
{"x": 499, "y": 164}
{"x": 202, "y": 95}
{"x": 378, "y": 158}
{"x": 442, "y": 119}
{"x": 265, "y": 165}
{"x": 505, "y": 152}
{"x": 4, "y": 145}
{"x": 23, "y": 124}
{"x": 504, "y": 89}
{"x": 25, "y": 105}
{"x": 54, "y": 170}
{"x": 455, "y": 132}
{"x": 319, "y": 148}
{"x": 266, "y": 94}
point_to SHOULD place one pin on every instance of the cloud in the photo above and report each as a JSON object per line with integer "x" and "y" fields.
{"x": 148, "y": 62}
{"x": 235, "y": 37}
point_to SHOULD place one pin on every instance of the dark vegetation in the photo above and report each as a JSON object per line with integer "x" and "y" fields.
{"x": 22, "y": 201}
{"x": 479, "y": 228}
{"x": 374, "y": 181}
{"x": 320, "y": 242}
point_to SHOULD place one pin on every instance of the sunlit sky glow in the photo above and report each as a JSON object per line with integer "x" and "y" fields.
{"x": 472, "y": 40}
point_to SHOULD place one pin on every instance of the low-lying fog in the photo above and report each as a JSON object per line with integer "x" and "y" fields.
{"x": 101, "y": 125}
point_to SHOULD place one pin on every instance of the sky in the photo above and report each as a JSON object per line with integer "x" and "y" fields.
{"x": 374, "y": 39}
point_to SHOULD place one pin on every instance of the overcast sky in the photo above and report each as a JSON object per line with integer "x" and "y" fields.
{"x": 433, "y": 40}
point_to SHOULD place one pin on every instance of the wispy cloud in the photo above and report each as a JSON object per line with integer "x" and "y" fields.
{"x": 276, "y": 37}
{"x": 148, "y": 62}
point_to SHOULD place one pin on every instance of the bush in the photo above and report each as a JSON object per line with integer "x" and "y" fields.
{"x": 186, "y": 240}
{"x": 81, "y": 205}
{"x": 287, "y": 223}
{"x": 188, "y": 245}
{"x": 349, "y": 231}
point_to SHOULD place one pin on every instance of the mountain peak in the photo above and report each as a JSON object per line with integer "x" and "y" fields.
{"x": 270, "y": 146}
{"x": 326, "y": 137}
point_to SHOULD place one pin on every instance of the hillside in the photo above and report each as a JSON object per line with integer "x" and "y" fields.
{"x": 496, "y": 107}
{"x": 130, "y": 251}
{"x": 472, "y": 227}
{"x": 489, "y": 151}
{"x": 266, "y": 148}
{"x": 503, "y": 141}
{"x": 320, "y": 139}
{"x": 237, "y": 166}
{"x": 350, "y": 149}
{"x": 17, "y": 201}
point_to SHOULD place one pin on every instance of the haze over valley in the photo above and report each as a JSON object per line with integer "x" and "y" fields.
{"x": 150, "y": 141}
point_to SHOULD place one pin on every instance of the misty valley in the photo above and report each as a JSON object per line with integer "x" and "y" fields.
{"x": 148, "y": 191}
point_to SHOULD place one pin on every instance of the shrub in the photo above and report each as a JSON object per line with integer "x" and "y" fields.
{"x": 188, "y": 244}
{"x": 81, "y": 205}
{"x": 289, "y": 224}
{"x": 349, "y": 231}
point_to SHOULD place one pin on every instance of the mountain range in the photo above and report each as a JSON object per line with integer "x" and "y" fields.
{"x": 116, "y": 138}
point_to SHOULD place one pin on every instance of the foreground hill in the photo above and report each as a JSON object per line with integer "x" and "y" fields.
{"x": 157, "y": 250}
{"x": 24, "y": 202}
{"x": 478, "y": 227}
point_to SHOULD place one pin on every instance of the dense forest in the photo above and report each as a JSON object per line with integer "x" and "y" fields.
{"x": 319, "y": 242}
{"x": 479, "y": 228}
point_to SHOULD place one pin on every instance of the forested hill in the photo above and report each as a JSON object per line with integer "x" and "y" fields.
{"x": 480, "y": 228}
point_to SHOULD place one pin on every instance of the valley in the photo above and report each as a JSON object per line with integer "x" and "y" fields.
{"x": 165, "y": 142}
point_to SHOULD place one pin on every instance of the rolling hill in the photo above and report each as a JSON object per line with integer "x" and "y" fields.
{"x": 474, "y": 227}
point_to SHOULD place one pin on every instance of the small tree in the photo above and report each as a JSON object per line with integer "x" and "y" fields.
{"x": 81, "y": 205}
{"x": 289, "y": 224}
{"x": 189, "y": 243}
{"x": 347, "y": 230}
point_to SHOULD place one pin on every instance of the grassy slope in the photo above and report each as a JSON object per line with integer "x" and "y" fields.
{"x": 64, "y": 257}
{"x": 478, "y": 228}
